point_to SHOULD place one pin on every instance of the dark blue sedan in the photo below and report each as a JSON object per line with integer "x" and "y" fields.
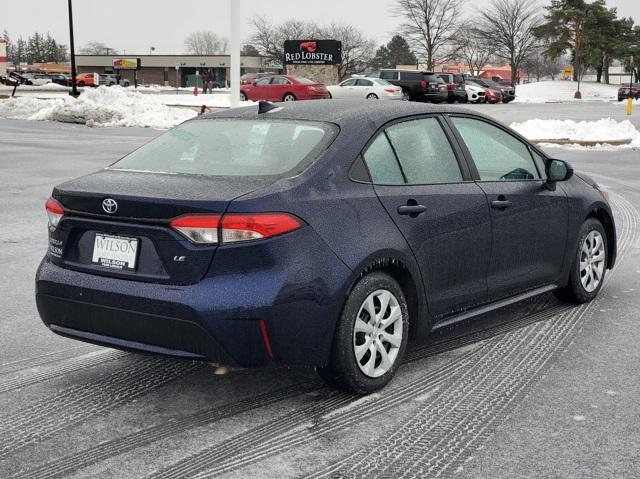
{"x": 324, "y": 233}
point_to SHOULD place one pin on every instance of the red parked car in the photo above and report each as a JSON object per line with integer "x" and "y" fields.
{"x": 283, "y": 88}
{"x": 492, "y": 96}
{"x": 85, "y": 79}
{"x": 629, "y": 90}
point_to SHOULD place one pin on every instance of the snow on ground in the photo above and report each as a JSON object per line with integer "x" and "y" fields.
{"x": 113, "y": 106}
{"x": 554, "y": 91}
{"x": 603, "y": 130}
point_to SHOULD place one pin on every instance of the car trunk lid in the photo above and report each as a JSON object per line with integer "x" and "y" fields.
{"x": 112, "y": 208}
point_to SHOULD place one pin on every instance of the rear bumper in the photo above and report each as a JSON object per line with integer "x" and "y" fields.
{"x": 437, "y": 97}
{"x": 298, "y": 298}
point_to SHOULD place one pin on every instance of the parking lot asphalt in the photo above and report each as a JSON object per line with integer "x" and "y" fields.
{"x": 539, "y": 389}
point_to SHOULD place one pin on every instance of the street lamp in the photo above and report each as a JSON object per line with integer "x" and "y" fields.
{"x": 74, "y": 72}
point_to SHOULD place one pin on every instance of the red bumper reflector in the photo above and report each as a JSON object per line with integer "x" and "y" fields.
{"x": 265, "y": 337}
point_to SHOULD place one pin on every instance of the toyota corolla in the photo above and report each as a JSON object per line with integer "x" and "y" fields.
{"x": 325, "y": 233}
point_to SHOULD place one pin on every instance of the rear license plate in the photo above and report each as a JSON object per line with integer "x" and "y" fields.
{"x": 115, "y": 252}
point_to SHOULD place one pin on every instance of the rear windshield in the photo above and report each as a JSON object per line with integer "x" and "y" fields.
{"x": 233, "y": 148}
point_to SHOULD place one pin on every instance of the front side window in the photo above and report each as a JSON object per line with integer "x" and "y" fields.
{"x": 232, "y": 148}
{"x": 349, "y": 82}
{"x": 498, "y": 156}
{"x": 424, "y": 152}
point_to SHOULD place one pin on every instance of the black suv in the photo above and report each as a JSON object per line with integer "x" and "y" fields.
{"x": 455, "y": 87}
{"x": 508, "y": 93}
{"x": 416, "y": 85}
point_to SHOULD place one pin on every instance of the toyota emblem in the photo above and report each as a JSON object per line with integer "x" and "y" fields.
{"x": 109, "y": 205}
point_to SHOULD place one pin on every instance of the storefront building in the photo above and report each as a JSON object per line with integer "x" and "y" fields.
{"x": 171, "y": 70}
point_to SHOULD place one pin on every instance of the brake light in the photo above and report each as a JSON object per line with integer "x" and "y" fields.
{"x": 234, "y": 227}
{"x": 245, "y": 227}
{"x": 390, "y": 90}
{"x": 55, "y": 212}
{"x": 200, "y": 229}
{"x": 424, "y": 84}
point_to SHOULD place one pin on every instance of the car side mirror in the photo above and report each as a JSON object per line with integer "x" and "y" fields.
{"x": 558, "y": 170}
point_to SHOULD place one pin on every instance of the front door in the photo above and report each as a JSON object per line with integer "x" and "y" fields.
{"x": 529, "y": 221}
{"x": 444, "y": 218}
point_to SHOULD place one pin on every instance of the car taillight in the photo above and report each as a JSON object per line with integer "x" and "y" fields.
{"x": 424, "y": 84}
{"x": 234, "y": 227}
{"x": 390, "y": 90}
{"x": 451, "y": 86}
{"x": 55, "y": 212}
{"x": 200, "y": 229}
{"x": 246, "y": 227}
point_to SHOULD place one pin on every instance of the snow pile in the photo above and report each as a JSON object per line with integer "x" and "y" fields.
{"x": 555, "y": 91}
{"x": 100, "y": 107}
{"x": 601, "y": 131}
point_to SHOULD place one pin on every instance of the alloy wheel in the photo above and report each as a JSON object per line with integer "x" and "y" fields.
{"x": 377, "y": 333}
{"x": 592, "y": 261}
{"x": 289, "y": 97}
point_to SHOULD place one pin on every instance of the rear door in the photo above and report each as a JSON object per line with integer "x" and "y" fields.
{"x": 363, "y": 88}
{"x": 529, "y": 221}
{"x": 418, "y": 176}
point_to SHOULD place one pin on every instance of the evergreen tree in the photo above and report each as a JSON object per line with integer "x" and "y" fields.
{"x": 396, "y": 52}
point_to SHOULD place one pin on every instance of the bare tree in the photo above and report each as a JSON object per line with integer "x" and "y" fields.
{"x": 431, "y": 24}
{"x": 96, "y": 48}
{"x": 473, "y": 49}
{"x": 206, "y": 43}
{"x": 357, "y": 50}
{"x": 269, "y": 38}
{"x": 508, "y": 25}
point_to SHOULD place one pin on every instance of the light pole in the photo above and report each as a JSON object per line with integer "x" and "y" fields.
{"x": 630, "y": 98}
{"x": 72, "y": 51}
{"x": 234, "y": 45}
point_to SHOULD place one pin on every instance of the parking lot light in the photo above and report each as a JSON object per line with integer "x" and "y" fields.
{"x": 72, "y": 52}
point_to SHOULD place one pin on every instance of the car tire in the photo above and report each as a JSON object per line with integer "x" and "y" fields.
{"x": 289, "y": 97}
{"x": 80, "y": 83}
{"x": 372, "y": 96}
{"x": 589, "y": 265}
{"x": 451, "y": 100}
{"x": 243, "y": 97}
{"x": 405, "y": 95}
{"x": 330, "y": 96}
{"x": 355, "y": 327}
{"x": 465, "y": 99}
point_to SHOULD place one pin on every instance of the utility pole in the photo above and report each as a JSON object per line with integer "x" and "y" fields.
{"x": 74, "y": 72}
{"x": 234, "y": 45}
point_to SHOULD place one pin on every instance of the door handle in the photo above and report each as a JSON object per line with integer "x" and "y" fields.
{"x": 411, "y": 210}
{"x": 501, "y": 203}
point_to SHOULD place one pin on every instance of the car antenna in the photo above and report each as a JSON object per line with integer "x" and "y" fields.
{"x": 265, "y": 107}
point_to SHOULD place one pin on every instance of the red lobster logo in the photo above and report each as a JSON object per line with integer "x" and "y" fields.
{"x": 310, "y": 47}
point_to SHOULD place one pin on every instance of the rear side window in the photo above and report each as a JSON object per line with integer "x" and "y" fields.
{"x": 498, "y": 155}
{"x": 458, "y": 79}
{"x": 381, "y": 162}
{"x": 431, "y": 78}
{"x": 411, "y": 76}
{"x": 389, "y": 75}
{"x": 424, "y": 152}
{"x": 362, "y": 82}
{"x": 233, "y": 148}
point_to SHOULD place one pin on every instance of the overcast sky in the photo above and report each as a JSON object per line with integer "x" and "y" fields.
{"x": 135, "y": 25}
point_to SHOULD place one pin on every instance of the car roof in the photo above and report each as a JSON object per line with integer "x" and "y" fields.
{"x": 341, "y": 112}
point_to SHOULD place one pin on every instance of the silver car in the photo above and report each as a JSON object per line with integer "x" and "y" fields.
{"x": 366, "y": 88}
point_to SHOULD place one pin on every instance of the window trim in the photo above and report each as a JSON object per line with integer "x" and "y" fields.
{"x": 466, "y": 173}
{"x": 469, "y": 158}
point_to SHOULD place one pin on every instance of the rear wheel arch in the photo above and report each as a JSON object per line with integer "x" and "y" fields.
{"x": 605, "y": 219}
{"x": 410, "y": 284}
